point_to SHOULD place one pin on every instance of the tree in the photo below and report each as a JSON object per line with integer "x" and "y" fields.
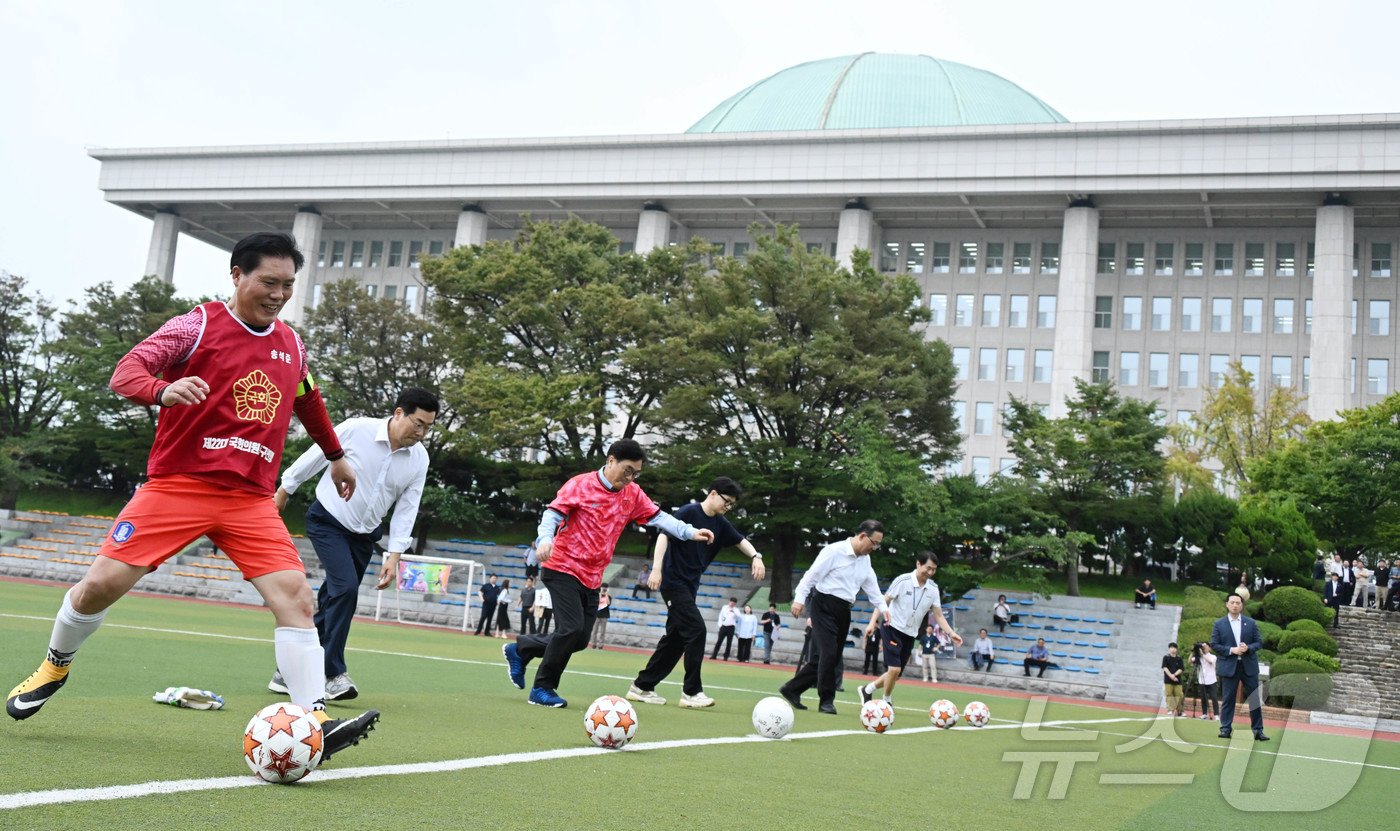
{"x": 1096, "y": 470}
{"x": 1270, "y": 536}
{"x": 29, "y": 395}
{"x": 1200, "y": 520}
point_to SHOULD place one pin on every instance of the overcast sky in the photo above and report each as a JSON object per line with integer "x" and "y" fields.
{"x": 83, "y": 74}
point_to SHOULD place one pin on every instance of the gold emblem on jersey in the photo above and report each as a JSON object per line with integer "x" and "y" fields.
{"x": 255, "y": 397}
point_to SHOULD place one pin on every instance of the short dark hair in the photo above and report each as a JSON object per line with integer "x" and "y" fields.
{"x": 733, "y": 600}
{"x": 1172, "y": 645}
{"x": 925, "y": 556}
{"x": 772, "y": 605}
{"x": 724, "y": 486}
{"x": 627, "y": 450}
{"x": 871, "y": 527}
{"x": 248, "y": 252}
{"x": 981, "y": 630}
{"x": 412, "y": 399}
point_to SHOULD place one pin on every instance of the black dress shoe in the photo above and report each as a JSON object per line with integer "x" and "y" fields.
{"x": 1224, "y": 734}
{"x": 828, "y": 708}
{"x": 792, "y": 699}
{"x": 1260, "y": 737}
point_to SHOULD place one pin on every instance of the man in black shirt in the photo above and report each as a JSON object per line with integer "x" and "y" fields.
{"x": 771, "y": 621}
{"x": 1173, "y": 668}
{"x": 488, "y": 593}
{"x": 676, "y": 569}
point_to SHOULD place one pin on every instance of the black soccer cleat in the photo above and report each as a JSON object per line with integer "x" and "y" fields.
{"x": 31, "y": 694}
{"x": 340, "y": 733}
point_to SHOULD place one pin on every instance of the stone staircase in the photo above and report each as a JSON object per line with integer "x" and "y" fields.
{"x": 1367, "y": 648}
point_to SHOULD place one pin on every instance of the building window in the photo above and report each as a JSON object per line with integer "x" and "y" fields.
{"x": 1377, "y": 376}
{"x": 376, "y": 254}
{"x": 1219, "y": 365}
{"x": 321, "y": 256}
{"x": 1285, "y": 260}
{"x": 967, "y": 258}
{"x": 357, "y": 254}
{"x": 1100, "y": 372}
{"x": 1021, "y": 258}
{"x": 1157, "y": 369}
{"x": 1161, "y": 314}
{"x": 1355, "y": 259}
{"x": 1044, "y": 365}
{"x": 982, "y": 469}
{"x": 889, "y": 257}
{"x": 1135, "y": 261}
{"x": 1017, "y": 310}
{"x": 830, "y": 252}
{"x": 914, "y": 255}
{"x": 1353, "y": 316}
{"x": 1190, "y": 314}
{"x": 962, "y": 357}
{"x": 1252, "y": 315}
{"x": 391, "y": 292}
{"x": 1049, "y": 258}
{"x": 1307, "y": 374}
{"x": 938, "y": 309}
{"x": 1378, "y": 321}
{"x": 1045, "y": 311}
{"x": 1015, "y": 364}
{"x": 991, "y": 310}
{"x": 986, "y": 364}
{"x": 1195, "y": 264}
{"x": 1224, "y": 259}
{"x": 1251, "y": 364}
{"x": 1283, "y": 316}
{"x": 437, "y": 246}
{"x": 962, "y": 311}
{"x": 372, "y": 290}
{"x": 338, "y": 254}
{"x": 995, "y": 257}
{"x": 1128, "y": 368}
{"x": 1380, "y": 259}
{"x": 1108, "y": 259}
{"x": 396, "y": 254}
{"x": 1220, "y": 313}
{"x": 942, "y": 254}
{"x": 1307, "y": 316}
{"x": 1351, "y": 377}
{"x": 410, "y": 298}
{"x": 741, "y": 249}
{"x": 982, "y": 423}
{"x": 1163, "y": 259}
{"x": 960, "y": 416}
{"x": 415, "y": 252}
{"x": 1188, "y": 370}
{"x": 1007, "y": 466}
{"x": 628, "y": 247}
{"x": 1281, "y": 370}
{"x": 1185, "y": 417}
{"x": 1254, "y": 259}
{"x": 315, "y": 298}
{"x": 1312, "y": 259}
{"x": 1132, "y": 314}
{"x": 1103, "y": 312}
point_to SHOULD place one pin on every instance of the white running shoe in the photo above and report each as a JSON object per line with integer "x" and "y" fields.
{"x": 636, "y": 693}
{"x": 697, "y": 701}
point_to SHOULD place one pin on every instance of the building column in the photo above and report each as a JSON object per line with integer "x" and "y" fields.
{"x": 471, "y": 226}
{"x": 1074, "y": 304}
{"x": 306, "y": 230}
{"x": 856, "y": 230}
{"x": 653, "y": 228}
{"x": 165, "y": 234}
{"x": 1330, "y": 344}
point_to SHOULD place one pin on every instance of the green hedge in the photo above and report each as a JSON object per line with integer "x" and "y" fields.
{"x": 1196, "y": 630}
{"x": 1254, "y": 608}
{"x": 1289, "y": 603}
{"x": 1306, "y": 625}
{"x": 1306, "y": 688}
{"x": 1269, "y": 634}
{"x": 1301, "y": 639}
{"x": 1326, "y": 663}
{"x": 1267, "y": 656}
{"x": 1203, "y": 593}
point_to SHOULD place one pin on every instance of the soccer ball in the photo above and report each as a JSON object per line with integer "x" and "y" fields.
{"x": 877, "y": 715}
{"x": 282, "y": 743}
{"x": 943, "y": 713}
{"x": 977, "y": 714}
{"x": 772, "y": 717}
{"x": 610, "y": 722}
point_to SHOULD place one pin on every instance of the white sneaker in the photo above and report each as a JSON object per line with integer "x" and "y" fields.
{"x": 636, "y": 693}
{"x": 341, "y": 688}
{"x": 278, "y": 684}
{"x": 697, "y": 701}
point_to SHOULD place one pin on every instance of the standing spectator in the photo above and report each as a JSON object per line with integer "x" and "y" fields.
{"x": 871, "y": 664}
{"x": 1001, "y": 613}
{"x": 1037, "y": 656}
{"x": 488, "y": 593}
{"x": 1348, "y": 583}
{"x": 1145, "y": 594}
{"x": 544, "y": 609}
{"x": 728, "y": 616}
{"x": 1319, "y": 571}
{"x": 1207, "y": 685}
{"x": 840, "y": 571}
{"x": 1235, "y": 641}
{"x": 1332, "y": 596}
{"x": 928, "y": 653}
{"x": 1334, "y": 565}
{"x": 1363, "y": 583}
{"x": 532, "y": 562}
{"x": 746, "y": 629}
{"x": 772, "y": 625}
{"x": 983, "y": 652}
{"x": 600, "y": 623}
{"x": 503, "y": 610}
{"x": 1172, "y": 670}
{"x": 1382, "y": 584}
{"x": 643, "y": 582}
{"x": 527, "y": 607}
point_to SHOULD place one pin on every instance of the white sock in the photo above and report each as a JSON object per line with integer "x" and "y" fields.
{"x": 302, "y": 662}
{"x": 70, "y": 629}
{"x": 869, "y": 688}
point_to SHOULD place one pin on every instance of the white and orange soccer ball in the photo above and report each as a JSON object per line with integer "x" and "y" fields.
{"x": 610, "y": 722}
{"x": 943, "y": 713}
{"x": 282, "y": 743}
{"x": 977, "y": 714}
{"x": 877, "y": 715}
{"x": 772, "y": 717}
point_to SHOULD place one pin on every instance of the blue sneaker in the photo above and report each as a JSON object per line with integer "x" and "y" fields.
{"x": 515, "y": 667}
{"x": 545, "y": 697}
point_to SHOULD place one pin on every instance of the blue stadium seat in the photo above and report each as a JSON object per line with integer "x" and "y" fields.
{"x": 1098, "y": 645}
{"x": 1017, "y": 625}
{"x": 1037, "y": 614}
{"x": 1027, "y": 602}
{"x": 1077, "y": 657}
{"x": 1071, "y": 617}
{"x": 962, "y": 608}
{"x": 1096, "y": 657}
{"x": 1081, "y": 643}
{"x": 1107, "y": 621}
{"x": 1091, "y": 671}
{"x": 1072, "y": 669}
{"x": 1063, "y": 643}
{"x": 1060, "y": 654}
{"x": 1103, "y": 633}
{"x": 1056, "y": 617}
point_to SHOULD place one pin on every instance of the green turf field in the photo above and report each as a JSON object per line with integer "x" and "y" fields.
{"x": 447, "y": 706}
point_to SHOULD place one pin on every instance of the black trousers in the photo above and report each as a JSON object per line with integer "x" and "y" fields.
{"x": 745, "y": 649}
{"x": 345, "y": 555}
{"x": 1229, "y": 684}
{"x": 527, "y": 622}
{"x": 684, "y": 638}
{"x": 726, "y": 637}
{"x": 575, "y": 607}
{"x": 488, "y": 617}
{"x": 831, "y": 618}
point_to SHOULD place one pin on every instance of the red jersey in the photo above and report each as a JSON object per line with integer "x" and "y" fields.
{"x": 236, "y": 435}
{"x": 594, "y": 517}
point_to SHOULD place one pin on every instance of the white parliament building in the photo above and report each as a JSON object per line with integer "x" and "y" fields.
{"x": 1152, "y": 253}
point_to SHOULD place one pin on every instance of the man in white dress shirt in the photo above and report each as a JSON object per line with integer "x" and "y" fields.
{"x": 390, "y": 466}
{"x": 840, "y": 571}
{"x": 910, "y": 597}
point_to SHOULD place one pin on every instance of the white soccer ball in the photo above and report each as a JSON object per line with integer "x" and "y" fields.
{"x": 943, "y": 713}
{"x": 610, "y": 722}
{"x": 977, "y": 714}
{"x": 772, "y": 717}
{"x": 282, "y": 743}
{"x": 877, "y": 715}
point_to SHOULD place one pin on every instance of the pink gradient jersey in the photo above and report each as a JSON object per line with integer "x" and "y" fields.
{"x": 594, "y": 517}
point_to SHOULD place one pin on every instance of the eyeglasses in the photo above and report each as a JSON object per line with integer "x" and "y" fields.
{"x": 632, "y": 473}
{"x": 419, "y": 425}
{"x": 729, "y": 502}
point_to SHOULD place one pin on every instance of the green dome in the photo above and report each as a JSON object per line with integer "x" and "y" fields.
{"x": 874, "y": 91}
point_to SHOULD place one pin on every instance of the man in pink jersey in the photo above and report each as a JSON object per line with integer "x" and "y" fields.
{"x": 575, "y": 543}
{"x": 228, "y": 377}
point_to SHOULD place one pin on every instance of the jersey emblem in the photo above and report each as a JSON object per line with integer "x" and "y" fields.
{"x": 255, "y": 397}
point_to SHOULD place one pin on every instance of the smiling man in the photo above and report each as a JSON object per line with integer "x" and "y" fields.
{"x": 228, "y": 377}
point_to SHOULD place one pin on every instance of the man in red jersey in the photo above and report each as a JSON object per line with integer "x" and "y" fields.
{"x": 589, "y": 513}
{"x": 228, "y": 377}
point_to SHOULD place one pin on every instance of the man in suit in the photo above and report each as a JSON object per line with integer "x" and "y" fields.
{"x": 1332, "y": 596}
{"x": 1235, "y": 642}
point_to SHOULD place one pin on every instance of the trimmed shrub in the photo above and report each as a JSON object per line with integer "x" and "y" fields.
{"x": 1204, "y": 593}
{"x": 1195, "y": 630}
{"x": 1305, "y": 625}
{"x": 1269, "y": 634}
{"x": 1301, "y": 639}
{"x": 1253, "y": 608}
{"x": 1326, "y": 663}
{"x": 1306, "y": 688}
{"x": 1289, "y": 603}
{"x": 1267, "y": 656}
{"x": 1202, "y": 602}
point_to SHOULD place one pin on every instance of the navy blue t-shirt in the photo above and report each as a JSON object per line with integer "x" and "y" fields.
{"x": 686, "y": 560}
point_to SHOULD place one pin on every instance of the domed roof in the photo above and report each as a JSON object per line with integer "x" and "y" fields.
{"x": 873, "y": 91}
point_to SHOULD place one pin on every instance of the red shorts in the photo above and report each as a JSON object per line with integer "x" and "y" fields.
{"x": 170, "y": 512}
